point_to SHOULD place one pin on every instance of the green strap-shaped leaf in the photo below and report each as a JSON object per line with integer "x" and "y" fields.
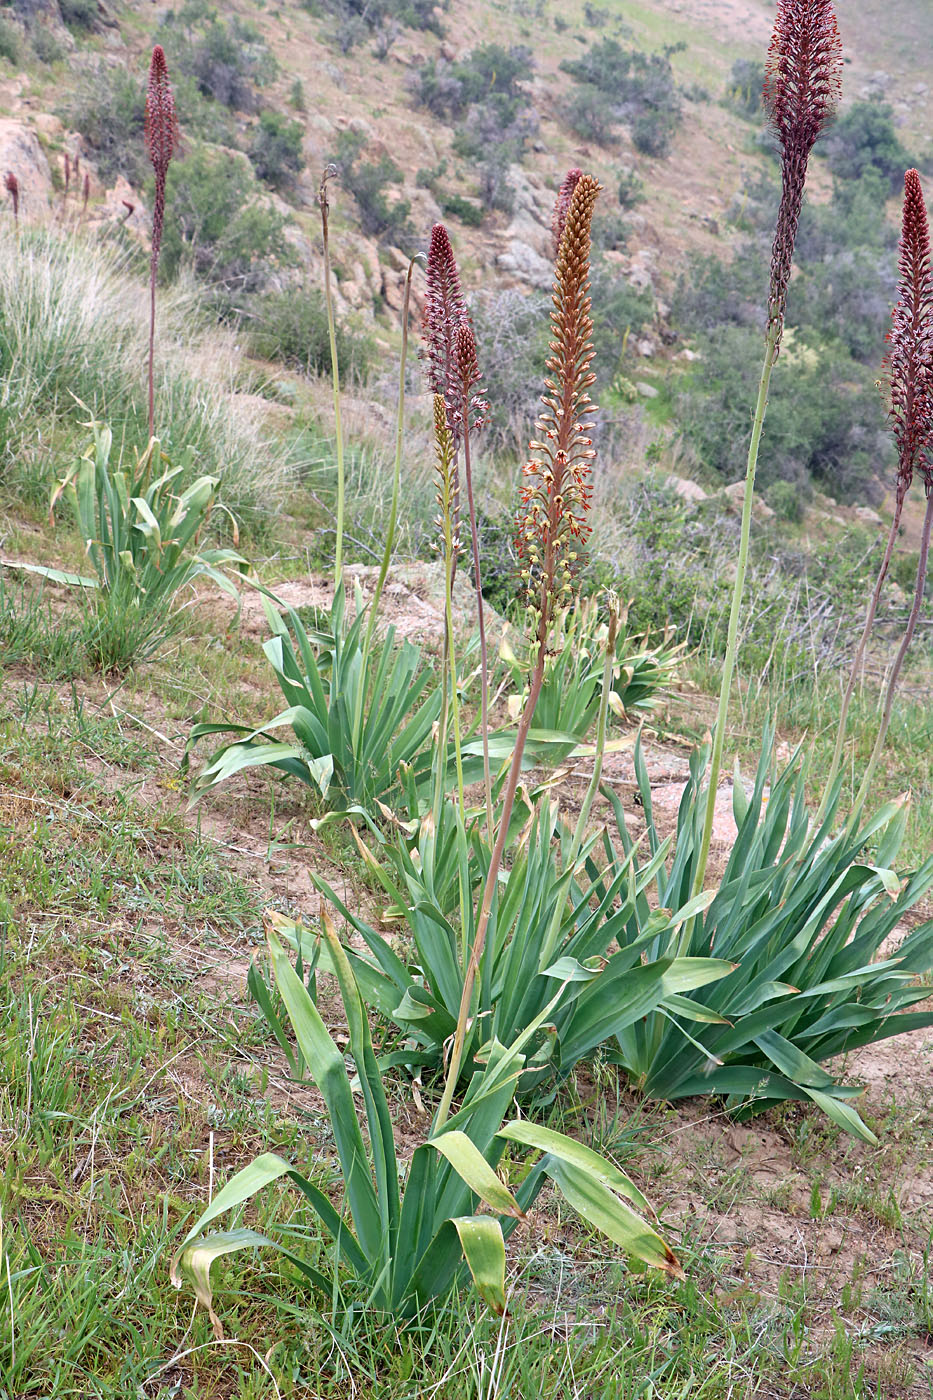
{"x": 569, "y": 1150}
{"x": 593, "y": 1199}
{"x": 326, "y": 1066}
{"x": 484, "y": 1251}
{"x": 471, "y": 1166}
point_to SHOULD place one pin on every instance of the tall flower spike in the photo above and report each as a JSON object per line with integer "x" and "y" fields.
{"x": 444, "y": 310}
{"x": 466, "y": 369}
{"x": 555, "y": 496}
{"x": 803, "y": 82}
{"x": 161, "y": 136}
{"x": 562, "y": 205}
{"x": 161, "y": 143}
{"x": 909, "y": 364}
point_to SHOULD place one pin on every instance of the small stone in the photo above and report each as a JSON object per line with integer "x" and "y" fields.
{"x": 867, "y": 516}
{"x": 647, "y": 391}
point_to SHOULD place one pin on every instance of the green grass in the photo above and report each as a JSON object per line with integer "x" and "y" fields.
{"x": 74, "y": 327}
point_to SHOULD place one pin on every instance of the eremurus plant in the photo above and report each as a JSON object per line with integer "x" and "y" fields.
{"x": 161, "y": 143}
{"x": 909, "y": 370}
{"x": 401, "y": 1240}
{"x": 801, "y": 92}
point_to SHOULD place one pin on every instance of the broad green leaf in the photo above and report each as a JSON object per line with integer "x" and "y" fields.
{"x": 484, "y": 1251}
{"x": 569, "y": 1150}
{"x": 842, "y": 1114}
{"x": 471, "y": 1166}
{"x": 592, "y": 1199}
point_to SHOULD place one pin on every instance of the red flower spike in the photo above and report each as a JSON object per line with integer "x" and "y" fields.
{"x": 468, "y": 375}
{"x": 552, "y": 525}
{"x": 909, "y": 363}
{"x": 803, "y": 82}
{"x": 161, "y": 136}
{"x": 444, "y": 310}
{"x": 562, "y": 205}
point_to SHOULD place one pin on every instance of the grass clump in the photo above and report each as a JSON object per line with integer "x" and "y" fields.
{"x": 74, "y": 325}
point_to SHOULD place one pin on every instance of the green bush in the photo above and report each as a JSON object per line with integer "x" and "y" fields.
{"x": 484, "y": 93}
{"x": 489, "y": 73}
{"x": 463, "y": 209}
{"x": 11, "y": 47}
{"x": 226, "y": 60}
{"x": 79, "y": 14}
{"x": 786, "y": 500}
{"x": 368, "y": 181}
{"x": 631, "y": 189}
{"x": 45, "y": 46}
{"x": 111, "y": 117}
{"x": 616, "y": 85}
{"x": 291, "y": 327}
{"x": 825, "y": 422}
{"x": 275, "y": 149}
{"x": 746, "y": 83}
{"x": 864, "y": 138}
{"x": 217, "y": 226}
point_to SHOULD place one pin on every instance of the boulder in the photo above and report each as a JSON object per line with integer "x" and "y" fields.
{"x": 736, "y": 496}
{"x": 522, "y": 262}
{"x": 22, "y": 156}
{"x": 685, "y": 488}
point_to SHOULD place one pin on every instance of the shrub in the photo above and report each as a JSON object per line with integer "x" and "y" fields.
{"x": 512, "y": 329}
{"x": 616, "y": 85}
{"x": 490, "y": 74}
{"x": 631, "y": 189}
{"x": 79, "y": 14}
{"x": 276, "y": 149}
{"x": 618, "y": 309}
{"x": 218, "y": 225}
{"x": 864, "y": 138}
{"x": 786, "y": 500}
{"x": 463, "y": 209}
{"x": 485, "y": 94}
{"x": 291, "y": 326}
{"x": 11, "y": 47}
{"x": 358, "y": 19}
{"x": 368, "y": 181}
{"x": 653, "y": 132}
{"x": 746, "y": 84}
{"x": 111, "y": 119}
{"x": 226, "y": 61}
{"x": 826, "y": 422}
{"x": 45, "y": 46}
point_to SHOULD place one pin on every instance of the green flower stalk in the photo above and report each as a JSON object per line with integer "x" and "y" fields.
{"x": 555, "y": 499}
{"x": 801, "y": 93}
{"x": 450, "y": 706}
{"x": 324, "y": 206}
